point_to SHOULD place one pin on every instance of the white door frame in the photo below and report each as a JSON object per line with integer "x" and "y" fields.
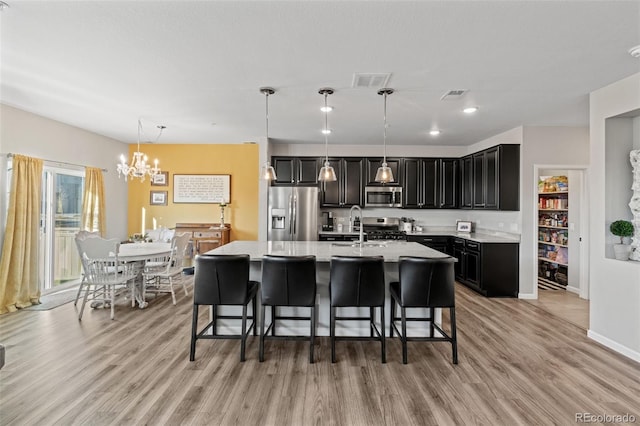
{"x": 583, "y": 227}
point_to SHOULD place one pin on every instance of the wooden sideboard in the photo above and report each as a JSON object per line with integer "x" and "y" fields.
{"x": 205, "y": 236}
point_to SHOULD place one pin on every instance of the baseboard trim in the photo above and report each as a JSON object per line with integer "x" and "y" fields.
{"x": 575, "y": 290}
{"x": 527, "y": 296}
{"x": 615, "y": 346}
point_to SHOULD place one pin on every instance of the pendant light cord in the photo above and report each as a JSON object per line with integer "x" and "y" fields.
{"x": 384, "y": 160}
{"x": 266, "y": 99}
{"x": 326, "y": 128}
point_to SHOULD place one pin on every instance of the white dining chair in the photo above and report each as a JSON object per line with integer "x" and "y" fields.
{"x": 159, "y": 274}
{"x": 105, "y": 274}
{"x": 81, "y": 236}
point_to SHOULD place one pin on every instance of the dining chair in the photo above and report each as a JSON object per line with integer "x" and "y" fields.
{"x": 81, "y": 236}
{"x": 159, "y": 274}
{"x": 105, "y": 274}
{"x": 424, "y": 283}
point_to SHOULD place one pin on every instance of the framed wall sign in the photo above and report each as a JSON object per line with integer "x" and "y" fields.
{"x": 158, "y": 198}
{"x": 161, "y": 179}
{"x": 463, "y": 226}
{"x": 201, "y": 189}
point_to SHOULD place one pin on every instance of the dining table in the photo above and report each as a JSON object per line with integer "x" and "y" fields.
{"x": 140, "y": 253}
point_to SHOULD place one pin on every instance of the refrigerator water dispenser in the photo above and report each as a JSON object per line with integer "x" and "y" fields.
{"x": 277, "y": 218}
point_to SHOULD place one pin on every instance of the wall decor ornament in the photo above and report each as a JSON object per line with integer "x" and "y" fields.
{"x": 634, "y": 204}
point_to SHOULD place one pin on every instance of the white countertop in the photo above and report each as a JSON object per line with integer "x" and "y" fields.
{"x": 473, "y": 236}
{"x": 323, "y": 250}
{"x": 479, "y": 237}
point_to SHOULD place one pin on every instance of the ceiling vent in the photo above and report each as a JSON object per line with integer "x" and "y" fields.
{"x": 452, "y": 95}
{"x": 370, "y": 80}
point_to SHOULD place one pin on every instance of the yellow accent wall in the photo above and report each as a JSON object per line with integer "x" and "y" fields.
{"x": 240, "y": 161}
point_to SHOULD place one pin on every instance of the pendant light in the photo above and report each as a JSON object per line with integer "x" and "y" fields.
{"x": 267, "y": 172}
{"x": 327, "y": 173}
{"x": 384, "y": 173}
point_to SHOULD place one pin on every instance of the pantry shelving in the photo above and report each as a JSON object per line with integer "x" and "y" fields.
{"x": 553, "y": 232}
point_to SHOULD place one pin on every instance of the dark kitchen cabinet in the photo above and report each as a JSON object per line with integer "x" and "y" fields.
{"x": 466, "y": 182}
{"x": 436, "y": 242}
{"x": 488, "y": 268}
{"x": 478, "y": 180}
{"x": 372, "y": 165}
{"x": 347, "y": 190}
{"x": 296, "y": 171}
{"x": 430, "y": 183}
{"x": 495, "y": 179}
{"x": 421, "y": 183}
{"x": 449, "y": 185}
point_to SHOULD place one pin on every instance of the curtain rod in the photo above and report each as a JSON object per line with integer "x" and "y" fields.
{"x": 60, "y": 162}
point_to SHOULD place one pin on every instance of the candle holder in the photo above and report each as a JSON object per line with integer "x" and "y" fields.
{"x": 222, "y": 206}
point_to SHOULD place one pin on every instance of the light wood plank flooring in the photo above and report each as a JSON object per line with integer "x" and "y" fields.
{"x": 516, "y": 367}
{"x": 564, "y": 304}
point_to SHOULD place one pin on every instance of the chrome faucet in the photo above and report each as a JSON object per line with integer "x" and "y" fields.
{"x": 361, "y": 233}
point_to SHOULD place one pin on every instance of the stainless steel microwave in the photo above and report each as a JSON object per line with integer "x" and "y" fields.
{"x": 383, "y": 196}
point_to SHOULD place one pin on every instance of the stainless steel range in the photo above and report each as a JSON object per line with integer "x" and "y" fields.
{"x": 383, "y": 228}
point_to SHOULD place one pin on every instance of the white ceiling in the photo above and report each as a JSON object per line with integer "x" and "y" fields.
{"x": 101, "y": 65}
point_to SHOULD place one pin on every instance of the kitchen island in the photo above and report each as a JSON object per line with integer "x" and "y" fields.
{"x": 323, "y": 251}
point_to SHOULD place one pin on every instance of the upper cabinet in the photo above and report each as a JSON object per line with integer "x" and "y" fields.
{"x": 371, "y": 167}
{"x": 491, "y": 178}
{"x": 485, "y": 180}
{"x": 430, "y": 183}
{"x": 296, "y": 171}
{"x": 466, "y": 182}
{"x": 347, "y": 190}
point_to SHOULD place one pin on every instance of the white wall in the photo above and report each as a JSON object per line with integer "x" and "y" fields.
{"x": 24, "y": 133}
{"x": 614, "y": 315}
{"x": 548, "y": 147}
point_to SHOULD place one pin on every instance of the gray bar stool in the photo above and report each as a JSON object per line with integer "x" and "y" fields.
{"x": 223, "y": 280}
{"x": 424, "y": 283}
{"x": 357, "y": 281}
{"x": 288, "y": 281}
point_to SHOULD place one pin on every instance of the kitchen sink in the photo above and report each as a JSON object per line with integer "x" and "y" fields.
{"x": 357, "y": 244}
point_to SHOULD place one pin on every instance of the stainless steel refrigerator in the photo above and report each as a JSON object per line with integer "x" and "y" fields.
{"x": 293, "y": 214}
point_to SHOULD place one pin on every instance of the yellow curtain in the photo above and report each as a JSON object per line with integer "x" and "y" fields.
{"x": 93, "y": 214}
{"x": 19, "y": 285}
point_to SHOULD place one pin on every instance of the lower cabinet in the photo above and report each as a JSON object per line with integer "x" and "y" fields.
{"x": 204, "y": 236}
{"x": 437, "y": 242}
{"x": 491, "y": 269}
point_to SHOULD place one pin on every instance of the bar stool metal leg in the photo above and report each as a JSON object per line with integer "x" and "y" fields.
{"x": 243, "y": 339}
{"x": 382, "y": 332}
{"x": 262, "y": 318}
{"x": 332, "y": 332}
{"x": 403, "y": 313}
{"x": 194, "y": 326}
{"x": 454, "y": 339}
{"x": 313, "y": 333}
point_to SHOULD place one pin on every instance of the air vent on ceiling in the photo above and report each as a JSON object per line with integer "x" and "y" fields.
{"x": 370, "y": 80}
{"x": 453, "y": 95}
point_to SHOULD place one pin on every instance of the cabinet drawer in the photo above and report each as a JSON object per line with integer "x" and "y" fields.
{"x": 473, "y": 246}
{"x": 458, "y": 242}
{"x": 207, "y": 234}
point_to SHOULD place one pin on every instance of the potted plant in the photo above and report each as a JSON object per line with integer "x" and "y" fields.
{"x": 622, "y": 229}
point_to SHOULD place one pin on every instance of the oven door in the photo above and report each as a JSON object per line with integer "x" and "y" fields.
{"x": 376, "y": 196}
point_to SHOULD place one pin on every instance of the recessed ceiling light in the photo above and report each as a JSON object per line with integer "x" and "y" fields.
{"x": 434, "y": 132}
{"x": 635, "y": 51}
{"x": 470, "y": 110}
{"x": 326, "y": 131}
{"x": 326, "y": 109}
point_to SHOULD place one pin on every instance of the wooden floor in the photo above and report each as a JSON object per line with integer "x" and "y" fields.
{"x": 565, "y": 305}
{"x": 516, "y": 367}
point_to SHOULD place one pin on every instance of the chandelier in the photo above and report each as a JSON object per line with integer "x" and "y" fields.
{"x": 139, "y": 167}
